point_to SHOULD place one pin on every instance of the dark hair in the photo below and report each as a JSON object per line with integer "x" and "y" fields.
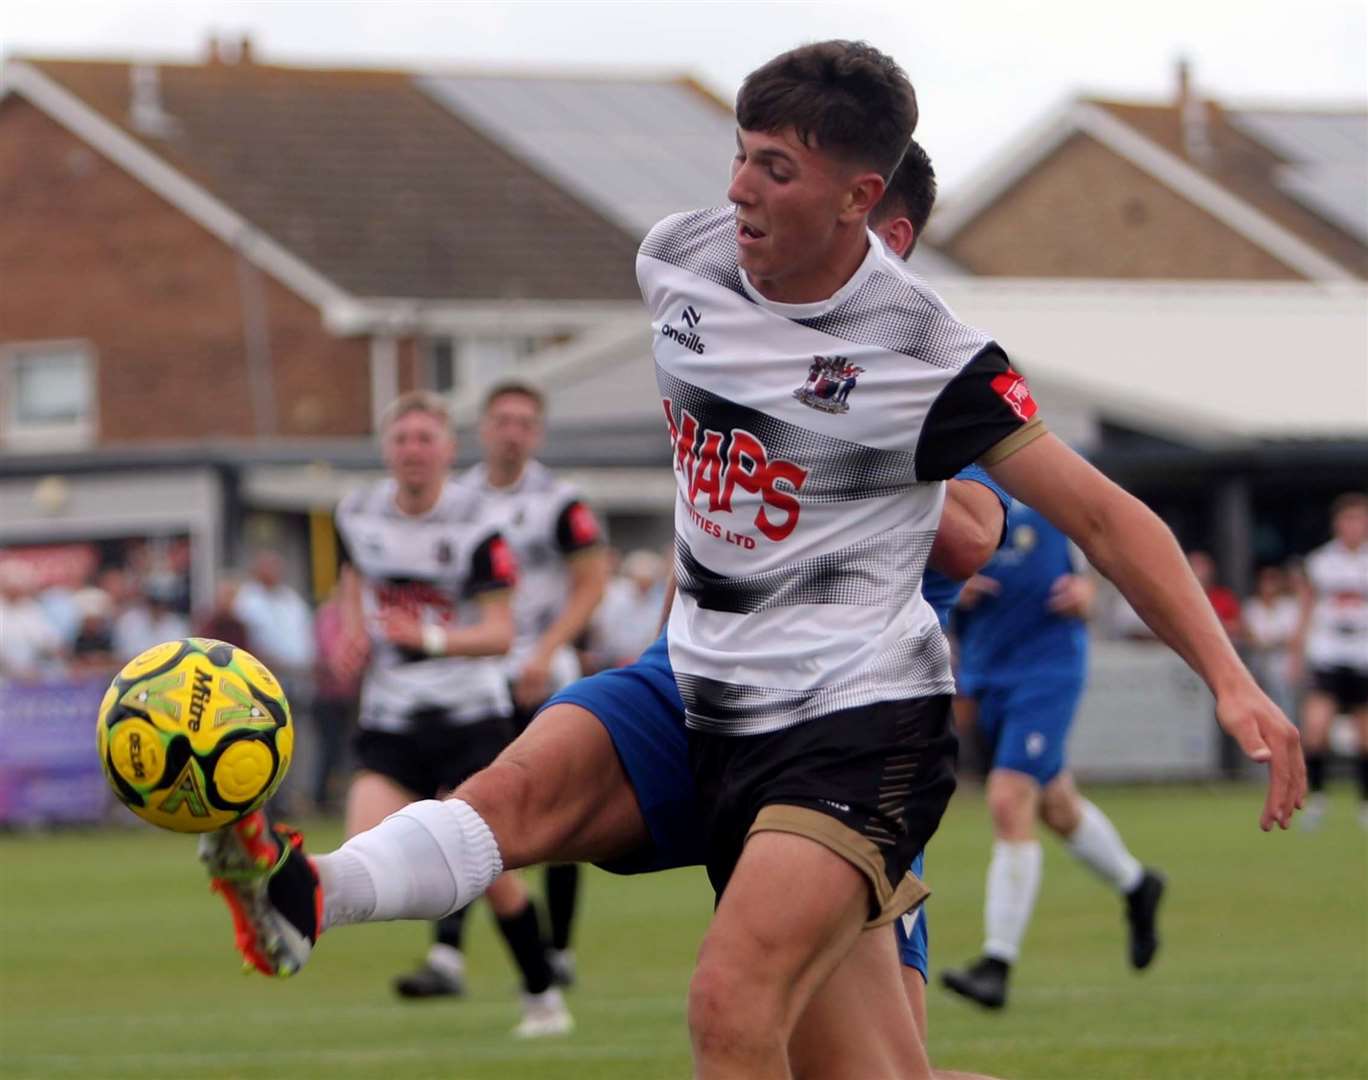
{"x": 845, "y": 97}
{"x": 1350, "y": 500}
{"x": 513, "y": 386}
{"x": 911, "y": 191}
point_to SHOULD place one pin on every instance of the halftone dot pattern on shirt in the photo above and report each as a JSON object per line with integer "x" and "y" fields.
{"x": 883, "y": 569}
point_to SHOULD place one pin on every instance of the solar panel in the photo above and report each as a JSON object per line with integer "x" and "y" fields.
{"x": 635, "y": 150}
{"x": 1327, "y": 161}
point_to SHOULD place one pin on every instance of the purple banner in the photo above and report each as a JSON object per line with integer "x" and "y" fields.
{"x": 49, "y": 769}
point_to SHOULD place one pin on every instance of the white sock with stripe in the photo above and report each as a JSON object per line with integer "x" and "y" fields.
{"x": 1013, "y": 882}
{"x": 1099, "y": 847}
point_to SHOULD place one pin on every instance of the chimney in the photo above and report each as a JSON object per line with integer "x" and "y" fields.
{"x": 145, "y": 112}
{"x": 1183, "y": 71}
{"x": 228, "y": 51}
{"x": 1192, "y": 116}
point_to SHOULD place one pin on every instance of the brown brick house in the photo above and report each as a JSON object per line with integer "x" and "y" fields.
{"x": 233, "y": 250}
{"x": 1187, "y": 189}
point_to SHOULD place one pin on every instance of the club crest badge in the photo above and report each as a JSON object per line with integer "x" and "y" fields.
{"x": 829, "y": 382}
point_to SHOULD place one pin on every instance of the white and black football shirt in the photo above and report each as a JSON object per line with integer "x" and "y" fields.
{"x": 437, "y": 565}
{"x": 1338, "y": 634}
{"x": 811, "y": 442}
{"x": 545, "y": 522}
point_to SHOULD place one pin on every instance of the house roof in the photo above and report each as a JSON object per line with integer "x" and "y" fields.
{"x": 366, "y": 179}
{"x": 636, "y": 149}
{"x": 1289, "y": 180}
{"x": 1290, "y": 165}
{"x": 367, "y": 191}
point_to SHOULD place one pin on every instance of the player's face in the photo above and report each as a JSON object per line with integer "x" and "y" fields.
{"x": 794, "y": 206}
{"x": 1351, "y": 526}
{"x": 419, "y": 449}
{"x": 511, "y": 430}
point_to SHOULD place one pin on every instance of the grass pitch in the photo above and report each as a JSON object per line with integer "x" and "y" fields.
{"x": 116, "y": 962}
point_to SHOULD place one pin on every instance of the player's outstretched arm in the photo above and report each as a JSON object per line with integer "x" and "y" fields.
{"x": 1128, "y": 543}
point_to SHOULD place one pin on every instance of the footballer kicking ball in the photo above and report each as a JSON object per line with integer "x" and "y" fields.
{"x": 194, "y": 734}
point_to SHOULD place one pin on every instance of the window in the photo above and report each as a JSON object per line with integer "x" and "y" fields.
{"x": 47, "y": 390}
{"x": 443, "y": 373}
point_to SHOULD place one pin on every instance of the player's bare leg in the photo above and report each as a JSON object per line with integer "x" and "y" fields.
{"x": 1318, "y": 716}
{"x": 1093, "y": 840}
{"x": 890, "y": 1042}
{"x": 558, "y": 793}
{"x": 791, "y": 911}
{"x": 371, "y": 798}
{"x": 1010, "y": 892}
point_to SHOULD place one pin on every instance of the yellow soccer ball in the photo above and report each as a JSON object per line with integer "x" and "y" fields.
{"x": 194, "y": 734}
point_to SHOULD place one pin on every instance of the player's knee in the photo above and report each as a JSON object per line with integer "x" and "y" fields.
{"x": 1011, "y": 808}
{"x": 726, "y": 1008}
{"x": 505, "y": 795}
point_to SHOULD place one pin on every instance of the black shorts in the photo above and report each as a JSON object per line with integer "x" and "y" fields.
{"x": 434, "y": 755}
{"x": 869, "y": 783}
{"x": 1348, "y": 686}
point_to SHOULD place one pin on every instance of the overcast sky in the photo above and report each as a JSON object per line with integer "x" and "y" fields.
{"x": 984, "y": 69}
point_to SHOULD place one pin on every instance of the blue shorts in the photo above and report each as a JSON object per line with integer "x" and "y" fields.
{"x": 1025, "y": 723}
{"x": 914, "y": 946}
{"x": 640, "y": 707}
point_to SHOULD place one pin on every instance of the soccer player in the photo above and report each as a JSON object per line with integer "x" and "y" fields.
{"x": 562, "y": 570}
{"x": 430, "y": 577}
{"x": 1023, "y": 659}
{"x": 814, "y": 678}
{"x": 1332, "y": 640}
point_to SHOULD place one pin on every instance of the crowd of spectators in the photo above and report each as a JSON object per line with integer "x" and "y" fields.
{"x": 82, "y": 619}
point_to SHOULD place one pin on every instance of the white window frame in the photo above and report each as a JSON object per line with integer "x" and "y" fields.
{"x": 15, "y": 433}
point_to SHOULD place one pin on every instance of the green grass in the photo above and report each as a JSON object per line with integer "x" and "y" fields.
{"x": 115, "y": 962}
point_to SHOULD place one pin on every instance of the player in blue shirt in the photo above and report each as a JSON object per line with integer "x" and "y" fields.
{"x": 1023, "y": 657}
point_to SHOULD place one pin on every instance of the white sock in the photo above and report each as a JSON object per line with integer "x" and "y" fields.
{"x": 1013, "y": 881}
{"x": 446, "y": 960}
{"x": 423, "y": 862}
{"x": 1098, "y": 845}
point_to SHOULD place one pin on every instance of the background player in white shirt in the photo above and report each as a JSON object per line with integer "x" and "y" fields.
{"x": 1333, "y": 639}
{"x": 820, "y": 130}
{"x": 562, "y": 570}
{"x": 428, "y": 578}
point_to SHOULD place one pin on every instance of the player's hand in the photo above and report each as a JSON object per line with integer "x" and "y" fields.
{"x": 1266, "y": 736}
{"x": 975, "y": 589}
{"x": 1071, "y": 596}
{"x": 402, "y": 628}
{"x": 534, "y": 682}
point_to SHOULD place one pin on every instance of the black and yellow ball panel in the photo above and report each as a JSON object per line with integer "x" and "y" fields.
{"x": 194, "y": 734}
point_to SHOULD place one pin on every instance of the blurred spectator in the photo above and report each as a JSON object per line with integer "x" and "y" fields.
{"x": 628, "y": 619}
{"x": 280, "y": 627}
{"x": 337, "y": 689}
{"x": 30, "y": 645}
{"x": 119, "y": 587}
{"x": 93, "y": 646}
{"x": 149, "y": 620}
{"x": 1271, "y": 616}
{"x": 221, "y": 621}
{"x": 1223, "y": 601}
{"x": 58, "y": 601}
{"x": 278, "y": 620}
